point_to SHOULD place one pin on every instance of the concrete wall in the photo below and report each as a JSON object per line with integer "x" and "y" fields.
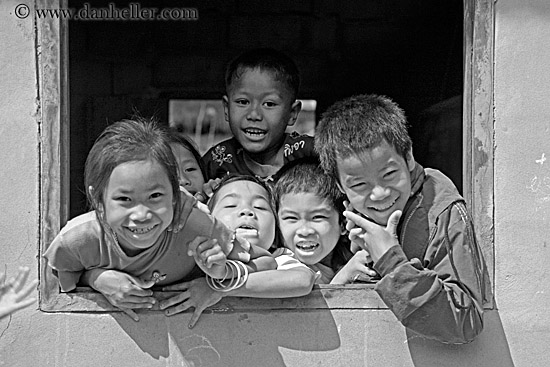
{"x": 518, "y": 329}
{"x": 522, "y": 176}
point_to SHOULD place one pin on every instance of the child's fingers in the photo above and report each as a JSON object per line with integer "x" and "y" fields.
{"x": 136, "y": 302}
{"x": 27, "y": 290}
{"x": 182, "y": 307}
{"x": 393, "y": 222}
{"x": 195, "y": 317}
{"x": 26, "y": 303}
{"x": 356, "y": 233}
{"x": 210, "y": 244}
{"x": 179, "y": 298}
{"x": 143, "y": 284}
{"x": 355, "y": 246}
{"x": 350, "y": 225}
{"x": 131, "y": 313}
{"x": 358, "y": 220}
{"x": 192, "y": 246}
{"x": 215, "y": 259}
{"x": 177, "y": 287}
{"x": 20, "y": 279}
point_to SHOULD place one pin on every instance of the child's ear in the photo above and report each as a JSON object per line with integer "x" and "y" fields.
{"x": 94, "y": 202}
{"x": 340, "y": 187}
{"x": 410, "y": 160}
{"x": 294, "y": 112}
{"x": 225, "y": 102}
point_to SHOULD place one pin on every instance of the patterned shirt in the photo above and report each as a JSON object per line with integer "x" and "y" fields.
{"x": 227, "y": 157}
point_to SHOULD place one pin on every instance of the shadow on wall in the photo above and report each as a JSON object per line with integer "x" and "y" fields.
{"x": 230, "y": 338}
{"x": 489, "y": 349}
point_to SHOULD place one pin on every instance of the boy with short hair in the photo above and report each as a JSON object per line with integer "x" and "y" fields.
{"x": 260, "y": 102}
{"x": 412, "y": 221}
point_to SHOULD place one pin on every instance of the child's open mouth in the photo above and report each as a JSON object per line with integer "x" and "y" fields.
{"x": 385, "y": 207}
{"x": 255, "y": 133}
{"x": 246, "y": 230}
{"x": 307, "y": 246}
{"x": 141, "y": 230}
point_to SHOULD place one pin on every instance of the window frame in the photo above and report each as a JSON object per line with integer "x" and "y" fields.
{"x": 478, "y": 176}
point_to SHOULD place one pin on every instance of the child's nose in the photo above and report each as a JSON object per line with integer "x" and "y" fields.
{"x": 184, "y": 180}
{"x": 141, "y": 213}
{"x": 255, "y": 112}
{"x": 305, "y": 229}
{"x": 379, "y": 193}
{"x": 246, "y": 212}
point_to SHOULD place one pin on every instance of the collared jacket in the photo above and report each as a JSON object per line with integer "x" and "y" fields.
{"x": 436, "y": 282}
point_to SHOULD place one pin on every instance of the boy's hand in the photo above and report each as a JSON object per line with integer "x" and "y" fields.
{"x": 14, "y": 293}
{"x": 377, "y": 240}
{"x": 195, "y": 293}
{"x": 208, "y": 255}
{"x": 122, "y": 290}
{"x": 357, "y": 268}
{"x": 209, "y": 187}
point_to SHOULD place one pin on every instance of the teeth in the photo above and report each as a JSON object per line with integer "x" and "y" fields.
{"x": 245, "y": 226}
{"x": 141, "y": 230}
{"x": 384, "y": 208}
{"x": 244, "y": 232}
{"x": 307, "y": 245}
{"x": 255, "y": 131}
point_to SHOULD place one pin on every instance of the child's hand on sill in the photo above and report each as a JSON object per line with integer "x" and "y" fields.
{"x": 122, "y": 290}
{"x": 196, "y": 294}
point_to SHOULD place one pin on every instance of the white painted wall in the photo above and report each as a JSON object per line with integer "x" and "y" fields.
{"x": 520, "y": 327}
{"x": 522, "y": 176}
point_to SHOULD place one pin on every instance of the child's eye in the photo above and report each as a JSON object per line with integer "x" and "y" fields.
{"x": 260, "y": 207}
{"x": 270, "y": 104}
{"x": 190, "y": 169}
{"x": 122, "y": 198}
{"x": 390, "y": 174}
{"x": 156, "y": 195}
{"x": 242, "y": 102}
{"x": 320, "y": 217}
{"x": 288, "y": 218}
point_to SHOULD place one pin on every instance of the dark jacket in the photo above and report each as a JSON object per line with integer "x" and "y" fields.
{"x": 436, "y": 282}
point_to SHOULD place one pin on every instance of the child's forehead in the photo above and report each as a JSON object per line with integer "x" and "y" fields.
{"x": 246, "y": 75}
{"x": 301, "y": 198}
{"x": 380, "y": 150}
{"x": 242, "y": 189}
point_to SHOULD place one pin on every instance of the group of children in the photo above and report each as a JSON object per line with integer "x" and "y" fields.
{"x": 283, "y": 211}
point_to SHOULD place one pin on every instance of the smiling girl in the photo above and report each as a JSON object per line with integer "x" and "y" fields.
{"x": 126, "y": 244}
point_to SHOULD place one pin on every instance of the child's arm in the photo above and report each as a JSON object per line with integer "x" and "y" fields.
{"x": 356, "y": 268}
{"x": 441, "y": 295}
{"x": 294, "y": 282}
{"x": 122, "y": 290}
{"x": 253, "y": 257}
{"x": 14, "y": 293}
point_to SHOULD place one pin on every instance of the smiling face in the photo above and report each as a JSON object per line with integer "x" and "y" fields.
{"x": 244, "y": 207}
{"x": 259, "y": 108}
{"x": 189, "y": 172}
{"x": 138, "y": 204}
{"x": 310, "y": 226}
{"x": 377, "y": 181}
